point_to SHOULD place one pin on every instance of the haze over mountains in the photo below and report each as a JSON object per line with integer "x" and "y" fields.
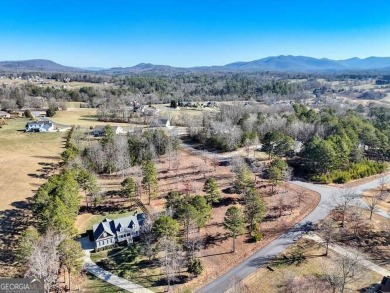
{"x": 274, "y": 63}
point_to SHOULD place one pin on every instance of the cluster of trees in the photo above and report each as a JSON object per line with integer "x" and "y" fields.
{"x": 49, "y": 247}
{"x": 329, "y": 145}
{"x": 342, "y": 153}
{"x": 217, "y": 86}
{"x": 254, "y": 208}
{"x": 174, "y": 237}
{"x": 117, "y": 153}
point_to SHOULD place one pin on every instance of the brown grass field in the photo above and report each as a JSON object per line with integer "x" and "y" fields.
{"x": 25, "y": 161}
{"x": 85, "y": 117}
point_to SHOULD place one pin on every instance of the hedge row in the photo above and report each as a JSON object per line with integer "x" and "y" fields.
{"x": 355, "y": 171}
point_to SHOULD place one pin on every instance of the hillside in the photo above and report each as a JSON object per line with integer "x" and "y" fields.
{"x": 35, "y": 65}
{"x": 274, "y": 63}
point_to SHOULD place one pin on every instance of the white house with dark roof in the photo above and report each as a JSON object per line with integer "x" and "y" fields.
{"x": 123, "y": 230}
{"x": 39, "y": 126}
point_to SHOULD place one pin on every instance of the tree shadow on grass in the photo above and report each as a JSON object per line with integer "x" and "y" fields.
{"x": 225, "y": 201}
{"x": 212, "y": 240}
{"x": 47, "y": 157}
{"x": 13, "y": 222}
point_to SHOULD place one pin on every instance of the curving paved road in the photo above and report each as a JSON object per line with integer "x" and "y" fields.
{"x": 330, "y": 197}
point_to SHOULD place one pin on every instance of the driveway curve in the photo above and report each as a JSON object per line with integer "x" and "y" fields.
{"x": 329, "y": 198}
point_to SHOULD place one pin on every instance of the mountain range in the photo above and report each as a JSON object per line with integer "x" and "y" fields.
{"x": 273, "y": 64}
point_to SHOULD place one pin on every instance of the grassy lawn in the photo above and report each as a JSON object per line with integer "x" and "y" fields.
{"x": 24, "y": 158}
{"x": 96, "y": 285}
{"x": 314, "y": 265}
{"x": 127, "y": 263}
{"x": 85, "y": 117}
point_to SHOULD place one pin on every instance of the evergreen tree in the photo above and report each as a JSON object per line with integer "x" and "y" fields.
{"x": 234, "y": 223}
{"x": 71, "y": 256}
{"x": 255, "y": 208}
{"x": 195, "y": 267}
{"x": 129, "y": 188}
{"x": 212, "y": 191}
{"x": 150, "y": 178}
{"x": 109, "y": 135}
{"x": 244, "y": 179}
{"x": 165, "y": 226}
{"x": 87, "y": 182}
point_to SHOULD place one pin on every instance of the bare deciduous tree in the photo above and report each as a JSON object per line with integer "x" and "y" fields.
{"x": 373, "y": 202}
{"x": 344, "y": 200}
{"x": 148, "y": 239}
{"x": 300, "y": 195}
{"x": 328, "y": 230}
{"x": 172, "y": 260}
{"x": 44, "y": 261}
{"x": 345, "y": 271}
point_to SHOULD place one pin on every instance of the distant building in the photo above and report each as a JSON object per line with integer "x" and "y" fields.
{"x": 5, "y": 115}
{"x": 162, "y": 122}
{"x": 38, "y": 113}
{"x": 98, "y": 130}
{"x": 39, "y": 126}
{"x": 109, "y": 232}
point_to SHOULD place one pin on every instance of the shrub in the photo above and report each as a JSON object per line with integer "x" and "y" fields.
{"x": 256, "y": 234}
{"x": 355, "y": 171}
{"x": 195, "y": 267}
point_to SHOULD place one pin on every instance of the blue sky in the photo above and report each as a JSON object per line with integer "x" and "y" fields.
{"x": 190, "y": 33}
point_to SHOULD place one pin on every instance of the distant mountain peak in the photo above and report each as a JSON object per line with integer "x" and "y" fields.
{"x": 35, "y": 65}
{"x": 281, "y": 63}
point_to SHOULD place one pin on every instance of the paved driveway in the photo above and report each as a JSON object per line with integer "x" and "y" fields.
{"x": 330, "y": 197}
{"x": 124, "y": 284}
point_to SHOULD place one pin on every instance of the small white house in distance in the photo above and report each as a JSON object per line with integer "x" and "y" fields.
{"x": 109, "y": 232}
{"x": 39, "y": 126}
{"x": 162, "y": 122}
{"x": 98, "y": 130}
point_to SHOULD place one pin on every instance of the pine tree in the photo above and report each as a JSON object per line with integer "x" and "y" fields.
{"x": 255, "y": 208}
{"x": 234, "y": 223}
{"x": 150, "y": 178}
{"x": 129, "y": 188}
{"x": 212, "y": 191}
{"x": 71, "y": 257}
